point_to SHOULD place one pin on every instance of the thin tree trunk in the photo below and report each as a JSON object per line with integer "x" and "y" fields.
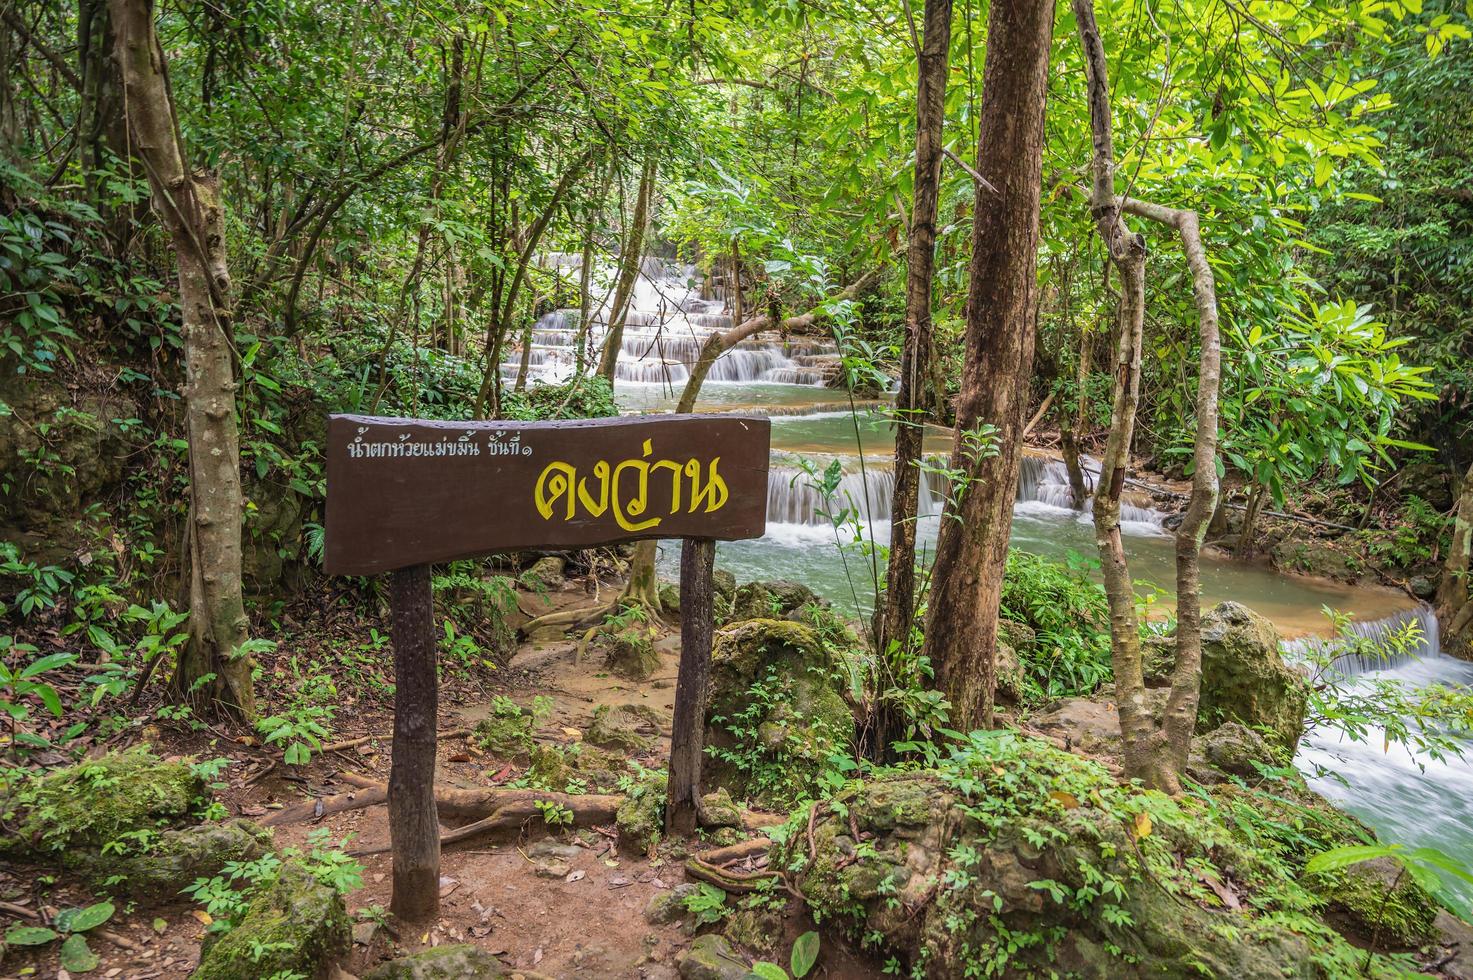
{"x": 629, "y": 265}
{"x": 643, "y": 587}
{"x": 961, "y": 634}
{"x": 1249, "y": 527}
{"x": 1069, "y": 448}
{"x": 190, "y": 209}
{"x": 1155, "y": 754}
{"x": 894, "y": 623}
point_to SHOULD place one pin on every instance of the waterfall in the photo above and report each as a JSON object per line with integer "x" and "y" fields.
{"x": 1368, "y": 647}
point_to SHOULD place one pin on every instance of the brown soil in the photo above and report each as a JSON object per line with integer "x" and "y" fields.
{"x": 590, "y": 924}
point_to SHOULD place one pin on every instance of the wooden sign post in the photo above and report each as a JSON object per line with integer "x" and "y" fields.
{"x": 404, "y": 493}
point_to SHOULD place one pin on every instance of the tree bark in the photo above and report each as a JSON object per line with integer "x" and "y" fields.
{"x": 898, "y": 613}
{"x": 1155, "y": 754}
{"x": 189, "y": 207}
{"x": 682, "y": 806}
{"x": 1455, "y": 589}
{"x": 628, "y": 271}
{"x": 961, "y": 632}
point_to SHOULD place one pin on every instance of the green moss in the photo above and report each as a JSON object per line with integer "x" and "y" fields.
{"x": 619, "y": 727}
{"x": 98, "y": 801}
{"x": 504, "y": 734}
{"x": 776, "y": 712}
{"x": 630, "y": 653}
{"x": 298, "y": 925}
{"x": 1376, "y": 901}
{"x": 641, "y": 817}
{"x": 161, "y": 867}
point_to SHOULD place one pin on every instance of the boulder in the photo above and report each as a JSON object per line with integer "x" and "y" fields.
{"x": 505, "y": 733}
{"x": 554, "y": 766}
{"x": 627, "y": 728}
{"x": 1086, "y": 724}
{"x": 776, "y": 710}
{"x": 711, "y": 957}
{"x": 296, "y": 926}
{"x": 546, "y": 572}
{"x": 1230, "y": 750}
{"x": 1245, "y": 678}
{"x": 1033, "y": 861}
{"x": 773, "y": 600}
{"x": 718, "y": 810}
{"x": 1376, "y": 900}
{"x": 666, "y": 907}
{"x": 458, "y": 962}
{"x": 670, "y": 599}
{"x": 97, "y": 801}
{"x": 1011, "y": 682}
{"x": 641, "y": 817}
{"x": 630, "y": 653}
{"x": 164, "y": 866}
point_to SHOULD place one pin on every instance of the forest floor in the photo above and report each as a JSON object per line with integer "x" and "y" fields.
{"x": 568, "y": 905}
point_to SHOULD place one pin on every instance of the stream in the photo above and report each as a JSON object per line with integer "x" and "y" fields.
{"x": 1413, "y": 800}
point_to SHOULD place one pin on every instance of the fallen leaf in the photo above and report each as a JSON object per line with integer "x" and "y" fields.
{"x": 1142, "y": 825}
{"x": 1066, "y": 800}
{"x": 575, "y": 876}
{"x": 459, "y": 757}
{"x": 573, "y": 734}
{"x": 204, "y": 917}
{"x": 160, "y": 926}
{"x": 1225, "y": 894}
{"x": 537, "y": 956}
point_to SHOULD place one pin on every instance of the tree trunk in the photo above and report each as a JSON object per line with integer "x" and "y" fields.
{"x": 1069, "y": 447}
{"x": 1157, "y": 755}
{"x": 894, "y": 623}
{"x": 1455, "y": 590}
{"x": 961, "y": 633}
{"x": 628, "y": 271}
{"x": 643, "y": 587}
{"x": 189, "y": 206}
{"x": 1249, "y": 528}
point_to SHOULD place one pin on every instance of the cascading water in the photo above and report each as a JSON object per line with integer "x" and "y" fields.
{"x": 665, "y": 328}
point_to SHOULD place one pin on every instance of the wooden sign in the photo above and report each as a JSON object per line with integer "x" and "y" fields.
{"x": 403, "y": 492}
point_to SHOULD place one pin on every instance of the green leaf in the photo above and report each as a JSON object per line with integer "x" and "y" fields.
{"x": 77, "y": 956}
{"x": 30, "y": 935}
{"x": 805, "y": 954}
{"x": 766, "y": 971}
{"x": 80, "y": 920}
{"x": 1343, "y": 857}
{"x": 47, "y": 663}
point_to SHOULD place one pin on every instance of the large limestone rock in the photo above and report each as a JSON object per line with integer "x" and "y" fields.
{"x": 164, "y": 866}
{"x": 1245, "y": 678}
{"x": 710, "y": 957}
{"x": 776, "y": 710}
{"x": 773, "y": 600}
{"x": 92, "y": 803}
{"x": 297, "y": 926}
{"x": 1026, "y": 860}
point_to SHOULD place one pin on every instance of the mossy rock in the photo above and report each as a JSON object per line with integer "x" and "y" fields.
{"x": 92, "y": 803}
{"x": 999, "y": 859}
{"x": 641, "y": 817}
{"x": 718, "y": 809}
{"x": 1020, "y": 636}
{"x": 628, "y": 728}
{"x": 505, "y": 735}
{"x": 458, "y": 962}
{"x": 1245, "y": 678}
{"x": 1378, "y": 903}
{"x": 167, "y": 865}
{"x": 776, "y": 710}
{"x": 710, "y": 957}
{"x": 670, "y": 598}
{"x": 554, "y": 767}
{"x": 1313, "y": 556}
{"x": 1231, "y": 750}
{"x": 298, "y": 925}
{"x": 757, "y": 929}
{"x": 773, "y": 600}
{"x": 630, "y": 653}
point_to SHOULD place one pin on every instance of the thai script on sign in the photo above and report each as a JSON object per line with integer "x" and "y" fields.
{"x": 405, "y": 447}
{"x": 623, "y": 488}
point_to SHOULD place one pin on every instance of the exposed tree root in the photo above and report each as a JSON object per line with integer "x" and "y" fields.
{"x": 569, "y": 618}
{"x": 708, "y": 867}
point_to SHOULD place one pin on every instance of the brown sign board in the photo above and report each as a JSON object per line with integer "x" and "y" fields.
{"x": 404, "y": 492}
